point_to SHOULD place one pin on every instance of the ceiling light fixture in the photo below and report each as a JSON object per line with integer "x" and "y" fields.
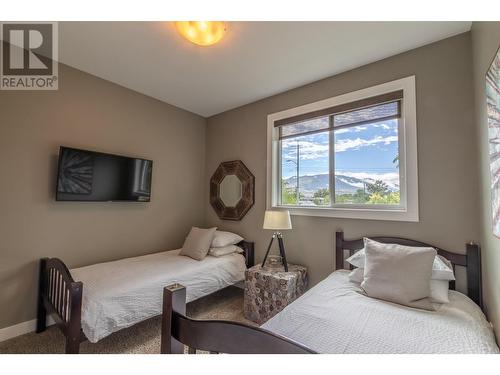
{"x": 202, "y": 33}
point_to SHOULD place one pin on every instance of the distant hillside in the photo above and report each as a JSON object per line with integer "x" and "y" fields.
{"x": 343, "y": 184}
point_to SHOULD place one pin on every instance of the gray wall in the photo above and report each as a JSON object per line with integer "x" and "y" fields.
{"x": 89, "y": 112}
{"x": 92, "y": 113}
{"x": 485, "y": 43}
{"x": 447, "y": 155}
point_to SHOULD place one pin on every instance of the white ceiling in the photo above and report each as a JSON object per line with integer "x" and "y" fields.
{"x": 253, "y": 61}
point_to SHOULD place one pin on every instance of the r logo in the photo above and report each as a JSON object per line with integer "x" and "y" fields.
{"x": 27, "y": 49}
{"x": 29, "y": 54}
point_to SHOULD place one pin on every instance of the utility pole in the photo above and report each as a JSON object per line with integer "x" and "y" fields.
{"x": 297, "y": 163}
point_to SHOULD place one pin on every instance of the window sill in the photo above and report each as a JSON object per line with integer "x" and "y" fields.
{"x": 396, "y": 214}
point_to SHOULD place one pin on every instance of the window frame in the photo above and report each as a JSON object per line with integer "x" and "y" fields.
{"x": 407, "y": 145}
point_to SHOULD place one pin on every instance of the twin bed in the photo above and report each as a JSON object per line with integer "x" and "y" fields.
{"x": 114, "y": 295}
{"x": 332, "y": 317}
{"x": 336, "y": 317}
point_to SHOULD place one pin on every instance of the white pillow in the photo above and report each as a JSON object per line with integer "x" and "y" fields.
{"x": 221, "y": 251}
{"x": 439, "y": 291}
{"x": 197, "y": 243}
{"x": 441, "y": 267}
{"x": 223, "y": 239}
{"x": 357, "y": 259}
{"x": 357, "y": 275}
{"x": 438, "y": 288}
{"x": 398, "y": 274}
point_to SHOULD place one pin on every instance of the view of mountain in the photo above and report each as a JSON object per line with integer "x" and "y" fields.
{"x": 343, "y": 184}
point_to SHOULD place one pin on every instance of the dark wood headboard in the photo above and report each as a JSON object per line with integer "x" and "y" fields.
{"x": 471, "y": 260}
{"x": 248, "y": 251}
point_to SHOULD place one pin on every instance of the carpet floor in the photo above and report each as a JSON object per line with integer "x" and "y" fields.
{"x": 142, "y": 338}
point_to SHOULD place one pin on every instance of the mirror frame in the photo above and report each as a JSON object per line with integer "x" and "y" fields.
{"x": 247, "y": 200}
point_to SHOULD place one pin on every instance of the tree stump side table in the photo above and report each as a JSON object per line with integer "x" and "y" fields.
{"x": 268, "y": 291}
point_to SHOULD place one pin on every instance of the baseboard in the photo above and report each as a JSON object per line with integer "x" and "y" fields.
{"x": 21, "y": 329}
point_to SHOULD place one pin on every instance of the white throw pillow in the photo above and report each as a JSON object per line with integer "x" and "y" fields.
{"x": 441, "y": 267}
{"x": 438, "y": 288}
{"x": 357, "y": 275}
{"x": 399, "y": 274}
{"x": 198, "y": 242}
{"x": 221, "y": 251}
{"x": 223, "y": 239}
{"x": 357, "y": 259}
{"x": 439, "y": 291}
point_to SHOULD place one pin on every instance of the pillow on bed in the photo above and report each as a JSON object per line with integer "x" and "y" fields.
{"x": 438, "y": 288}
{"x": 357, "y": 275}
{"x": 399, "y": 274}
{"x": 439, "y": 291}
{"x": 223, "y": 239}
{"x": 441, "y": 267}
{"x": 357, "y": 259}
{"x": 198, "y": 242}
{"x": 221, "y": 251}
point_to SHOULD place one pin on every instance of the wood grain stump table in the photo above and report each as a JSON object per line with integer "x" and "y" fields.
{"x": 268, "y": 291}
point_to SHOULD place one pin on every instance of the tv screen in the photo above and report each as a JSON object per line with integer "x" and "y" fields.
{"x": 94, "y": 176}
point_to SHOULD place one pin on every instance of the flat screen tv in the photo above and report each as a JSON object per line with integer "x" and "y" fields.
{"x": 97, "y": 177}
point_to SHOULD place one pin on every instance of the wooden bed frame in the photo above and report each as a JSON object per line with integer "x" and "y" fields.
{"x": 61, "y": 297}
{"x": 215, "y": 336}
{"x": 231, "y": 337}
{"x": 471, "y": 260}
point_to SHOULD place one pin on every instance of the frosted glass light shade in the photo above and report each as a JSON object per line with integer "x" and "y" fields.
{"x": 277, "y": 220}
{"x": 202, "y": 33}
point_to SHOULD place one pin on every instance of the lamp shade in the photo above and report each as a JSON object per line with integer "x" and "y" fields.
{"x": 202, "y": 33}
{"x": 277, "y": 220}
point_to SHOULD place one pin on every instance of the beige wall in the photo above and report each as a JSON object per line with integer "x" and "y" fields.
{"x": 485, "y": 43}
{"x": 91, "y": 113}
{"x": 446, "y": 155}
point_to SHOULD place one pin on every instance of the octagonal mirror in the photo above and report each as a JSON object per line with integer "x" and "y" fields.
{"x": 232, "y": 190}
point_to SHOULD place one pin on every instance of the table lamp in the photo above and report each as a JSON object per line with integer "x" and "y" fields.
{"x": 277, "y": 221}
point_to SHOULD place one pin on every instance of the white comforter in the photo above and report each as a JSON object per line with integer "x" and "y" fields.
{"x": 122, "y": 293}
{"x": 333, "y": 317}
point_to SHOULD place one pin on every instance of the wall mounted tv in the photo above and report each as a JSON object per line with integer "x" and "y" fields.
{"x": 97, "y": 177}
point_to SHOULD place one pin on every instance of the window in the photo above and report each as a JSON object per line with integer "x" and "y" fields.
{"x": 349, "y": 156}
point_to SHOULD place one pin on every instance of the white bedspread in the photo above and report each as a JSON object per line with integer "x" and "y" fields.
{"x": 122, "y": 293}
{"x": 333, "y": 317}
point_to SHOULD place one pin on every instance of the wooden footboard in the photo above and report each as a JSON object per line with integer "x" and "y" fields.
{"x": 215, "y": 336}
{"x": 61, "y": 297}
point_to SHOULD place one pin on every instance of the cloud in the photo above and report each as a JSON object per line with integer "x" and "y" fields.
{"x": 390, "y": 178}
{"x": 307, "y": 150}
{"x": 343, "y": 131}
{"x": 347, "y": 144}
{"x": 361, "y": 128}
{"x": 319, "y": 149}
{"x": 384, "y": 126}
{"x": 354, "y": 129}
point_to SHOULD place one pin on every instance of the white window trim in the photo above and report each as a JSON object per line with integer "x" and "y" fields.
{"x": 408, "y": 158}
